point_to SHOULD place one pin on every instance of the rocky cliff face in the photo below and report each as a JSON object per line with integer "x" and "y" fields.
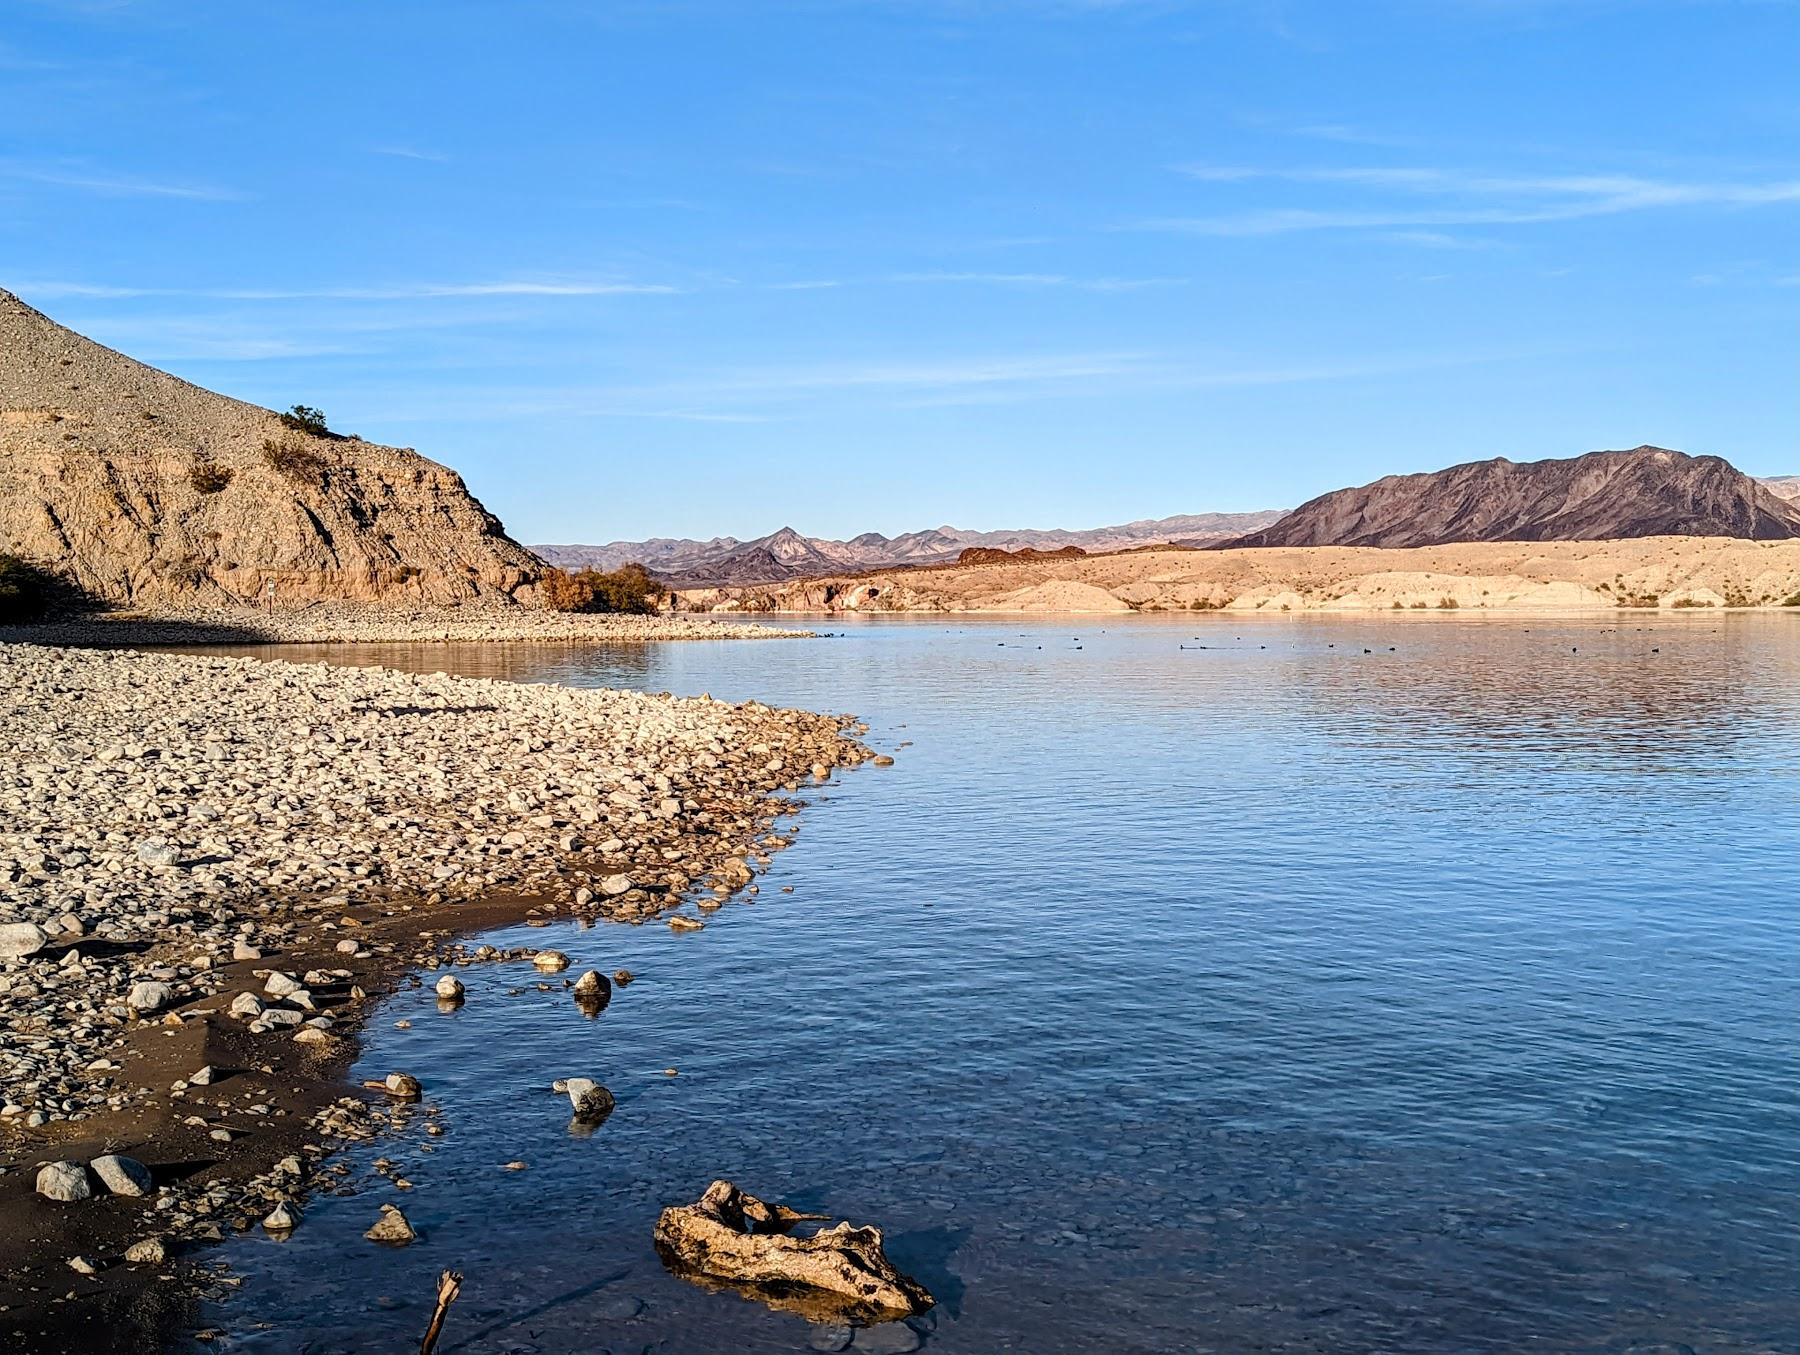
{"x": 146, "y": 489}
{"x": 1648, "y": 491}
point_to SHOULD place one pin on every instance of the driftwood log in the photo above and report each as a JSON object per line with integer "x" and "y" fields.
{"x": 732, "y": 1237}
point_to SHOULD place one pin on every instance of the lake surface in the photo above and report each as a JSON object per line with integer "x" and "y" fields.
{"x": 1348, "y": 984}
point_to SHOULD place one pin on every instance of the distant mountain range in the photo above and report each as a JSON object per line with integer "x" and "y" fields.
{"x": 1647, "y": 491}
{"x": 726, "y": 561}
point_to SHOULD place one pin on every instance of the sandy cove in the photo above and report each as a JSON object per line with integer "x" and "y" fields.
{"x": 175, "y": 830}
{"x": 351, "y": 623}
{"x": 1567, "y": 576}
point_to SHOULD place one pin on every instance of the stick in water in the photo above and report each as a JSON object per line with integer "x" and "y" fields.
{"x": 449, "y": 1286}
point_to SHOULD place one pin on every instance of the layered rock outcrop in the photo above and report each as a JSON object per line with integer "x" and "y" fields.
{"x": 146, "y": 489}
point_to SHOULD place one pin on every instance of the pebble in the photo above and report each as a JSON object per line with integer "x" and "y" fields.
{"x": 84, "y": 1265}
{"x": 150, "y": 1251}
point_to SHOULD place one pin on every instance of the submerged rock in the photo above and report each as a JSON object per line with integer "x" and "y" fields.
{"x": 728, "y": 1235}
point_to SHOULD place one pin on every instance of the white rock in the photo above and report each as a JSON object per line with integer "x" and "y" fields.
{"x": 65, "y": 1181}
{"x": 616, "y": 884}
{"x": 449, "y": 986}
{"x": 122, "y": 1175}
{"x": 149, "y": 1252}
{"x": 149, "y": 997}
{"x": 281, "y": 985}
{"x": 21, "y": 938}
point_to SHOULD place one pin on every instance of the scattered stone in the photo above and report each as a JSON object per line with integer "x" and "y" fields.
{"x": 246, "y": 1004}
{"x": 202, "y": 1078}
{"x": 243, "y": 950}
{"x": 64, "y": 1181}
{"x": 84, "y": 1265}
{"x": 156, "y": 851}
{"x": 149, "y": 997}
{"x": 151, "y": 1251}
{"x": 616, "y": 884}
{"x": 122, "y": 1175}
{"x": 281, "y": 985}
{"x": 550, "y": 961}
{"x": 623, "y": 977}
{"x": 450, "y": 987}
{"x": 679, "y": 923}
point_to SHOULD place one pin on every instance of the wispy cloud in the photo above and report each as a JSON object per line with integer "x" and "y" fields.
{"x": 1470, "y": 199}
{"x": 1039, "y": 280}
{"x": 112, "y": 185}
{"x": 421, "y": 291}
{"x": 410, "y": 153}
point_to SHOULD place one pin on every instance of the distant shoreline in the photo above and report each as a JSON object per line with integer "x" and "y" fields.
{"x": 352, "y": 623}
{"x": 1641, "y": 575}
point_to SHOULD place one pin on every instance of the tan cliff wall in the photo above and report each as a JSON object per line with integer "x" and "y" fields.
{"x": 105, "y": 464}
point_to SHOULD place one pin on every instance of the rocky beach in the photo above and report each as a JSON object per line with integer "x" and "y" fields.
{"x": 349, "y": 623}
{"x": 211, "y": 868}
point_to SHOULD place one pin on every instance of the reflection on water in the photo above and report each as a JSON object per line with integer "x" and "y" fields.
{"x": 1275, "y": 995}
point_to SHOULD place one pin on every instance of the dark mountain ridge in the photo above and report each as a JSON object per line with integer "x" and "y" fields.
{"x": 1646, "y": 491}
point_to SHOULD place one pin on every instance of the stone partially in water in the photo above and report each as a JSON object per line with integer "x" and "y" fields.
{"x": 283, "y": 1218}
{"x": 403, "y": 1085}
{"x": 449, "y": 987}
{"x": 592, "y": 1102}
{"x": 550, "y": 961}
{"x": 392, "y": 1228}
{"x": 65, "y": 1181}
{"x": 728, "y": 1235}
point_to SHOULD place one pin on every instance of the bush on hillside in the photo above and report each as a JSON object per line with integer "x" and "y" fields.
{"x": 208, "y": 477}
{"x": 306, "y": 419}
{"x": 295, "y": 460}
{"x": 626, "y": 589}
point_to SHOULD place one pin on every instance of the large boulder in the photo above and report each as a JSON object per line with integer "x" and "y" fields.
{"x": 728, "y": 1235}
{"x": 122, "y": 1175}
{"x": 21, "y": 938}
{"x": 65, "y": 1181}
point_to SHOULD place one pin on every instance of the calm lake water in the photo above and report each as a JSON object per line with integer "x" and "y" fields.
{"x": 1411, "y": 984}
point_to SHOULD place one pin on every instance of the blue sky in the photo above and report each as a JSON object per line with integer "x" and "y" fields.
{"x": 706, "y": 267}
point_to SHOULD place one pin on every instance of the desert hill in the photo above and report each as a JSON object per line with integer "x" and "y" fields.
{"x": 1602, "y": 496}
{"x": 784, "y": 555}
{"x": 147, "y": 489}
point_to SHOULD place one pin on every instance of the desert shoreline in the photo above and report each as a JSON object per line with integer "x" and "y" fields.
{"x": 1643, "y": 574}
{"x": 181, "y": 831}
